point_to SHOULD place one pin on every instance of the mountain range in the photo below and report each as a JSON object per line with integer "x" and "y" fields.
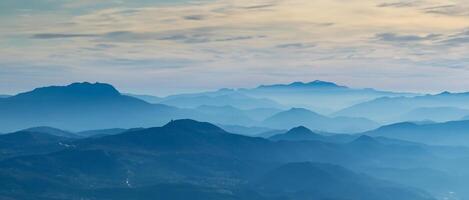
{"x": 300, "y": 133}
{"x": 89, "y": 141}
{"x": 303, "y": 117}
{"x": 188, "y": 157}
{"x": 446, "y": 133}
{"x": 91, "y": 106}
{"x": 320, "y": 96}
{"x": 440, "y": 107}
{"x": 80, "y": 106}
{"x": 220, "y": 98}
{"x": 87, "y": 106}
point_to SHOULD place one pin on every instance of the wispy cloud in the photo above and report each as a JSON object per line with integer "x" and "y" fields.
{"x": 458, "y": 39}
{"x": 60, "y": 35}
{"x": 296, "y": 45}
{"x": 394, "y": 37}
{"x": 260, "y": 6}
{"x": 450, "y": 10}
{"x": 194, "y": 17}
{"x": 401, "y": 4}
{"x": 307, "y": 39}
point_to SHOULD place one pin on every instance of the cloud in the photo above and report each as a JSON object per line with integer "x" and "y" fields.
{"x": 105, "y": 46}
{"x": 60, "y": 35}
{"x": 235, "y": 37}
{"x": 450, "y": 10}
{"x": 195, "y": 17}
{"x": 460, "y": 38}
{"x": 295, "y": 45}
{"x": 188, "y": 36}
{"x": 260, "y": 6}
{"x": 393, "y": 37}
{"x": 401, "y": 4}
{"x": 146, "y": 63}
{"x": 10, "y": 70}
{"x": 325, "y": 24}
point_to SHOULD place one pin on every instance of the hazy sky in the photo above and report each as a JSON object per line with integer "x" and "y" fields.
{"x": 168, "y": 46}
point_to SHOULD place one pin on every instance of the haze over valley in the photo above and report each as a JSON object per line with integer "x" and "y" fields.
{"x": 89, "y": 140}
{"x": 234, "y": 100}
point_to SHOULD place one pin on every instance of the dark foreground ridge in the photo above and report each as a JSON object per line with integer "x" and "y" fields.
{"x": 186, "y": 157}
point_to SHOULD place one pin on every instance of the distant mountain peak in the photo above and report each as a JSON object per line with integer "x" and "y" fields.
{"x": 300, "y": 111}
{"x": 316, "y": 83}
{"x": 400, "y": 125}
{"x": 93, "y": 87}
{"x": 313, "y": 84}
{"x": 447, "y": 93}
{"x": 297, "y": 133}
{"x": 365, "y": 139}
{"x": 51, "y": 131}
{"x": 189, "y": 124}
{"x": 43, "y": 128}
{"x": 294, "y": 109}
{"x": 300, "y": 129}
{"x": 323, "y": 84}
{"x": 74, "y": 89}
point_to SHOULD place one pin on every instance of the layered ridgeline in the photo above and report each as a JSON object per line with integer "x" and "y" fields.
{"x": 328, "y": 98}
{"x": 446, "y": 133}
{"x": 302, "y": 133}
{"x": 80, "y": 106}
{"x": 187, "y": 157}
{"x": 303, "y": 117}
{"x": 220, "y": 98}
{"x": 320, "y": 96}
{"x": 440, "y": 107}
{"x": 89, "y": 106}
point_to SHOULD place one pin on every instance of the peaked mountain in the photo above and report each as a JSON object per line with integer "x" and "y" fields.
{"x": 426, "y": 107}
{"x": 297, "y": 134}
{"x": 303, "y": 117}
{"x": 302, "y": 133}
{"x": 52, "y": 131}
{"x": 80, "y": 106}
{"x": 365, "y": 141}
{"x": 447, "y": 133}
{"x": 203, "y": 156}
{"x": 317, "y": 84}
{"x": 181, "y": 135}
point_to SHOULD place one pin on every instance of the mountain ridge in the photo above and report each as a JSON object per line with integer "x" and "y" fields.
{"x": 303, "y": 117}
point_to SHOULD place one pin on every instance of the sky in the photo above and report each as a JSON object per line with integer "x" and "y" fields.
{"x": 164, "y": 47}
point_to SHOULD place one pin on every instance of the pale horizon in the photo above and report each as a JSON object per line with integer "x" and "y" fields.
{"x": 159, "y": 48}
